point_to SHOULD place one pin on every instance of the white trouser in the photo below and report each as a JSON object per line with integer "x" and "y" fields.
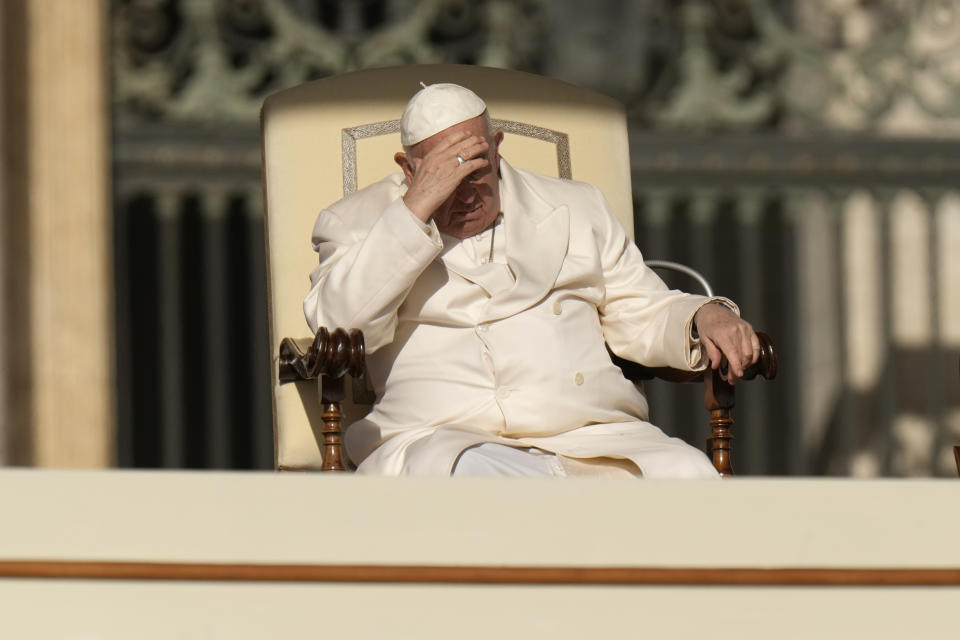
{"x": 491, "y": 459}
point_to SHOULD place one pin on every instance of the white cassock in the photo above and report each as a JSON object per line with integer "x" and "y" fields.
{"x": 462, "y": 350}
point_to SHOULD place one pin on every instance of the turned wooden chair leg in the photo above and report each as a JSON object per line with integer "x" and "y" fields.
{"x": 332, "y": 395}
{"x": 718, "y": 399}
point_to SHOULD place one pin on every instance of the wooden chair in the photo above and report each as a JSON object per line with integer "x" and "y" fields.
{"x": 324, "y": 139}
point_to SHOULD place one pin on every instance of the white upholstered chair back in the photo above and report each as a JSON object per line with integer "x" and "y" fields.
{"x": 324, "y": 139}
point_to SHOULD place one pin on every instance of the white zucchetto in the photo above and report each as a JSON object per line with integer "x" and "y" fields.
{"x": 435, "y": 108}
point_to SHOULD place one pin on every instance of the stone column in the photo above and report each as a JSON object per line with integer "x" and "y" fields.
{"x": 4, "y": 414}
{"x": 57, "y": 235}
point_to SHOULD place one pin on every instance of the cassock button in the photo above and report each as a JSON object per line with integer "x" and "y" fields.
{"x": 483, "y": 328}
{"x": 503, "y": 393}
{"x": 578, "y": 378}
{"x": 557, "y": 308}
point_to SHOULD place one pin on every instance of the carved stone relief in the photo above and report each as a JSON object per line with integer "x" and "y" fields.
{"x": 706, "y": 65}
{"x": 214, "y": 60}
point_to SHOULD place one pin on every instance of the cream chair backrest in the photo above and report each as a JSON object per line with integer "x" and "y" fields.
{"x": 324, "y": 139}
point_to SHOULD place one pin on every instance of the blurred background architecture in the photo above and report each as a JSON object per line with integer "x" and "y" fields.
{"x": 803, "y": 155}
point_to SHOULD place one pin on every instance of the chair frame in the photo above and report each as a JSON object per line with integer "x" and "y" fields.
{"x": 334, "y": 354}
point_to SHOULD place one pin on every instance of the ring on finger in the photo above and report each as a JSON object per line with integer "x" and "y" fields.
{"x": 460, "y": 160}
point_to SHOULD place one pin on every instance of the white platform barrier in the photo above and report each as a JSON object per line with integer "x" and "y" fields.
{"x": 262, "y": 555}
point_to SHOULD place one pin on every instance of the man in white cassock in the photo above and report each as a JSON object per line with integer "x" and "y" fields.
{"x": 487, "y": 296}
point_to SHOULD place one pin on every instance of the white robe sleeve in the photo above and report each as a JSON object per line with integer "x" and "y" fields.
{"x": 642, "y": 319}
{"x": 365, "y": 274}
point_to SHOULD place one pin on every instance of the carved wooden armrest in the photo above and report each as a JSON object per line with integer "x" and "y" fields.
{"x": 718, "y": 396}
{"x": 331, "y": 355}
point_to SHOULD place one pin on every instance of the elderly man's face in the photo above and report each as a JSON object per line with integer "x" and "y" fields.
{"x": 476, "y": 202}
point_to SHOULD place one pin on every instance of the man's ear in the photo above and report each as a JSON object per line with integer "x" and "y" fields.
{"x": 497, "y": 139}
{"x": 401, "y": 159}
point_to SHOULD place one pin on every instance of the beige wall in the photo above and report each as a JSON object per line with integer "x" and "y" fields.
{"x": 57, "y": 329}
{"x": 334, "y": 520}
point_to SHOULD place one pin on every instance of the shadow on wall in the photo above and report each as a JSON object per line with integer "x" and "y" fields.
{"x": 905, "y": 425}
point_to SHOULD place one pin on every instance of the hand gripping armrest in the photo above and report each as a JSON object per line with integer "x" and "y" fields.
{"x": 718, "y": 395}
